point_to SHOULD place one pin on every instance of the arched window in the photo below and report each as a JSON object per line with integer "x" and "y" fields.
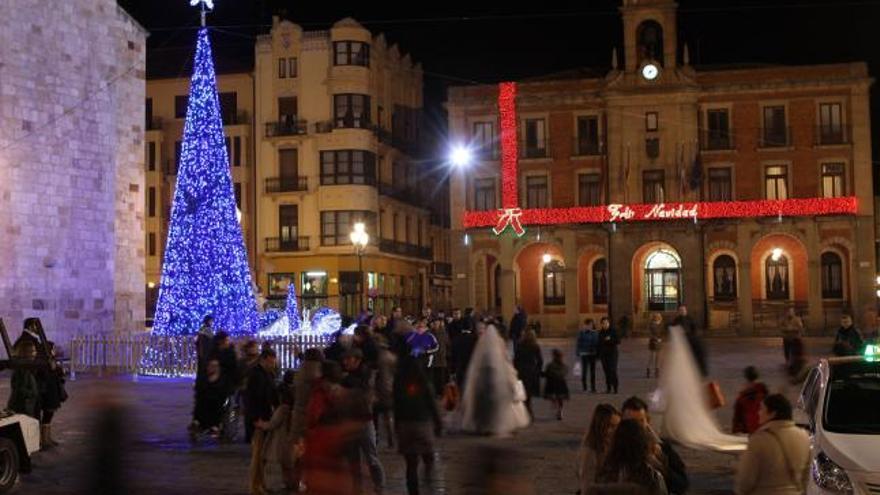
{"x": 724, "y": 278}
{"x": 600, "y": 281}
{"x": 776, "y": 277}
{"x": 832, "y": 276}
{"x": 554, "y": 284}
{"x": 663, "y": 280}
{"x": 650, "y": 42}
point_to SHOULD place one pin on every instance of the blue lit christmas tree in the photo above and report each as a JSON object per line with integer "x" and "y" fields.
{"x": 205, "y": 269}
{"x": 292, "y": 308}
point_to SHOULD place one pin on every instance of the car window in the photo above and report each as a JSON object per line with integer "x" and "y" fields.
{"x": 852, "y": 401}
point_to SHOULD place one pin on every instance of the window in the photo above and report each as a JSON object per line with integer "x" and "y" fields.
{"x": 724, "y": 278}
{"x": 287, "y": 109}
{"x": 776, "y": 182}
{"x": 238, "y": 197}
{"x": 288, "y": 227}
{"x": 236, "y": 151}
{"x": 589, "y": 189}
{"x": 229, "y": 108}
{"x": 148, "y": 113}
{"x": 314, "y": 289}
{"x": 351, "y": 110}
{"x": 720, "y": 184}
{"x": 484, "y": 194}
{"x": 288, "y": 165}
{"x": 652, "y": 122}
{"x": 348, "y": 167}
{"x": 180, "y": 104}
{"x": 282, "y": 68}
{"x": 832, "y": 180}
{"x": 536, "y": 139}
{"x": 653, "y": 188}
{"x": 775, "y": 132}
{"x": 776, "y": 277}
{"x": 554, "y": 284}
{"x": 279, "y": 283}
{"x": 484, "y": 139}
{"x": 151, "y": 202}
{"x": 291, "y": 67}
{"x": 151, "y": 156}
{"x": 718, "y": 130}
{"x": 537, "y": 195}
{"x": 151, "y": 243}
{"x": 351, "y": 53}
{"x": 663, "y": 280}
{"x": 600, "y": 281}
{"x": 831, "y": 129}
{"x": 832, "y": 276}
{"x": 337, "y": 225}
{"x": 587, "y": 135}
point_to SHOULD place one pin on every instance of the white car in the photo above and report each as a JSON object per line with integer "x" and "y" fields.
{"x": 19, "y": 438}
{"x": 841, "y": 401}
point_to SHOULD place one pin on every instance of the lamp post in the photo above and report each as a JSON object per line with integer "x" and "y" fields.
{"x": 360, "y": 239}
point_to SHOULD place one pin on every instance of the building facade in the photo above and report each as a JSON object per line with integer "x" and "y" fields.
{"x": 71, "y": 168}
{"x": 324, "y": 133}
{"x": 656, "y": 130}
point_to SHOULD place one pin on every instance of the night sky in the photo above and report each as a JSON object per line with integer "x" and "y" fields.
{"x": 467, "y": 44}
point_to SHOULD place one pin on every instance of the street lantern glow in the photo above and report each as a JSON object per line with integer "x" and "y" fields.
{"x": 776, "y": 254}
{"x": 460, "y": 156}
{"x": 546, "y": 258}
{"x": 359, "y": 236}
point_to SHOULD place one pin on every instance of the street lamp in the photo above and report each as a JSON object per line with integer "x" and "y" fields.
{"x": 460, "y": 156}
{"x": 360, "y": 239}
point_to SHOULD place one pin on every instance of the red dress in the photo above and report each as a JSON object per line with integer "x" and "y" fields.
{"x": 745, "y": 410}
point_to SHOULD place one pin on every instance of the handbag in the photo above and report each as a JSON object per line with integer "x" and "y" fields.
{"x": 716, "y": 397}
{"x": 450, "y": 396}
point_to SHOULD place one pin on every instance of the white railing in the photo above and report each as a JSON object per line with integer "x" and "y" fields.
{"x": 165, "y": 356}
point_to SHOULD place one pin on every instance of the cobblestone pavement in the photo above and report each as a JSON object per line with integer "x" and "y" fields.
{"x": 159, "y": 458}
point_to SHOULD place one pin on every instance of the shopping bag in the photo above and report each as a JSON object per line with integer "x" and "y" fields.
{"x": 716, "y": 397}
{"x": 451, "y": 396}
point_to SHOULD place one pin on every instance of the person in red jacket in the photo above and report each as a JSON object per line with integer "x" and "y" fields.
{"x": 748, "y": 402}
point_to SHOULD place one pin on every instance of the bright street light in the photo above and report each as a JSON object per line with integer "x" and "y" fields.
{"x": 359, "y": 236}
{"x": 460, "y": 156}
{"x": 776, "y": 254}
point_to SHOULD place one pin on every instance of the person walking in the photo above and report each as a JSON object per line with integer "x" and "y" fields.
{"x": 748, "y": 402}
{"x": 261, "y": 400}
{"x": 204, "y": 344}
{"x": 848, "y": 341}
{"x": 422, "y": 345}
{"x": 280, "y": 446}
{"x": 417, "y": 420}
{"x": 586, "y": 349}
{"x": 359, "y": 381}
{"x": 595, "y": 445}
{"x": 777, "y": 460}
{"x": 52, "y": 395}
{"x": 698, "y": 348}
{"x": 440, "y": 368}
{"x": 608, "y": 354}
{"x": 555, "y": 387}
{"x": 630, "y": 461}
{"x": 792, "y": 327}
{"x": 656, "y": 333}
{"x": 529, "y": 364}
{"x": 518, "y": 325}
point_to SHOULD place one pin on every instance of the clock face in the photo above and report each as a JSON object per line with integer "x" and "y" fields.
{"x": 650, "y": 72}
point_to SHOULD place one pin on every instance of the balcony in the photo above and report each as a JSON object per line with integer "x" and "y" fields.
{"x": 538, "y": 150}
{"x": 293, "y": 245}
{"x": 349, "y": 121}
{"x": 292, "y": 127}
{"x": 287, "y": 184}
{"x": 239, "y": 118}
{"x": 323, "y": 127}
{"x": 587, "y": 147}
{"x": 441, "y": 269}
{"x": 720, "y": 140}
{"x": 404, "y": 249}
{"x": 779, "y": 137}
{"x": 830, "y": 135}
{"x": 403, "y": 194}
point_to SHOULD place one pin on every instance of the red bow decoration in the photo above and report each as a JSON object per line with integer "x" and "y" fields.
{"x": 511, "y": 217}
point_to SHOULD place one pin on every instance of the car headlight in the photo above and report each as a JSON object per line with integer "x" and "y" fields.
{"x": 830, "y": 476}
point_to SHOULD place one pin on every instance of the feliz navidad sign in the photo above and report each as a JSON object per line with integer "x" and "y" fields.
{"x": 511, "y": 215}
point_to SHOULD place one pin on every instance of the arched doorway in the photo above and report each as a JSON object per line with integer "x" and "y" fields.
{"x": 662, "y": 270}
{"x": 777, "y": 276}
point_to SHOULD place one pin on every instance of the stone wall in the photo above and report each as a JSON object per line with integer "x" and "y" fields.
{"x": 71, "y": 166}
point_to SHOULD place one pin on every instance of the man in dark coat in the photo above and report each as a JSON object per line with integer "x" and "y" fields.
{"x": 260, "y": 401}
{"x": 848, "y": 341}
{"x": 608, "y": 354}
{"x": 204, "y": 344}
{"x": 462, "y": 349}
{"x": 224, "y": 353}
{"x": 698, "y": 349}
{"x": 518, "y": 324}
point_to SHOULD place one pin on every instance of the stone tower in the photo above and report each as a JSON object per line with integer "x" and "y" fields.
{"x": 71, "y": 166}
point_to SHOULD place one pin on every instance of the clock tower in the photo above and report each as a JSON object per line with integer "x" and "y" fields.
{"x": 649, "y": 32}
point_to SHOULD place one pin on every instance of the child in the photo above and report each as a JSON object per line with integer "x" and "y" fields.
{"x": 555, "y": 388}
{"x": 748, "y": 402}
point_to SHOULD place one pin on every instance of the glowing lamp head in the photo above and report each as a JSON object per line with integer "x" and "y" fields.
{"x": 460, "y": 156}
{"x": 151, "y": 285}
{"x": 546, "y": 258}
{"x": 359, "y": 236}
{"x": 776, "y": 254}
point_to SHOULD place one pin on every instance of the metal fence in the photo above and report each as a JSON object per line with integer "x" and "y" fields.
{"x": 165, "y": 356}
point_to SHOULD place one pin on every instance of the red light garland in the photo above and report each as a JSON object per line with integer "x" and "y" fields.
{"x": 512, "y": 216}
